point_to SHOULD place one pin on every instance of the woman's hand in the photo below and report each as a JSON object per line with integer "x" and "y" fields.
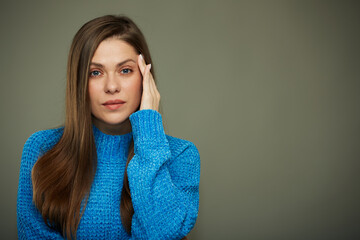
{"x": 150, "y": 97}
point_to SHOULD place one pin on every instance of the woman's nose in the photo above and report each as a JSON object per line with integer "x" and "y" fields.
{"x": 112, "y": 84}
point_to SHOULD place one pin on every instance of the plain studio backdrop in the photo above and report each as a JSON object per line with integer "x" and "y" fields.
{"x": 269, "y": 92}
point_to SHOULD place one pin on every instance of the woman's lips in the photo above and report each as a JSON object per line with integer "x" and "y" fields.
{"x": 113, "y": 104}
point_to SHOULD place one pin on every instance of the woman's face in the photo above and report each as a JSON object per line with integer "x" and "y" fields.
{"x": 115, "y": 85}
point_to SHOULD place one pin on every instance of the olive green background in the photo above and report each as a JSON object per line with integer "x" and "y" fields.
{"x": 269, "y": 92}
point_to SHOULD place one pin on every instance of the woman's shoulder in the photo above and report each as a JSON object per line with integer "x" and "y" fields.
{"x": 44, "y": 140}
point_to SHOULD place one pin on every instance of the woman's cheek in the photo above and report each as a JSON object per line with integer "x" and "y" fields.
{"x": 92, "y": 92}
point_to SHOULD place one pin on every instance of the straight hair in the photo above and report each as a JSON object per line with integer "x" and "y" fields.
{"x": 63, "y": 176}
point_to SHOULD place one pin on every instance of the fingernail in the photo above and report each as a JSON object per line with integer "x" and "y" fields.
{"x": 149, "y": 66}
{"x": 141, "y": 56}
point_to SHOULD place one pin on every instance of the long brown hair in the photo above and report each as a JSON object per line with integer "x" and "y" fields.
{"x": 62, "y": 177}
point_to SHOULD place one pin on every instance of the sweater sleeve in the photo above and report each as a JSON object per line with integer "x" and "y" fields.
{"x": 163, "y": 179}
{"x": 30, "y": 223}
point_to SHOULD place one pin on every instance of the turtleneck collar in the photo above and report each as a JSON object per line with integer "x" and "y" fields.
{"x": 110, "y": 146}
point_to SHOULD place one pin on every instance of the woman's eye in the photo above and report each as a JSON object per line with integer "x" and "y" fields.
{"x": 126, "y": 71}
{"x": 95, "y": 73}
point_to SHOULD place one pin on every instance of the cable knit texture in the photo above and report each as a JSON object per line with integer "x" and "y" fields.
{"x": 163, "y": 175}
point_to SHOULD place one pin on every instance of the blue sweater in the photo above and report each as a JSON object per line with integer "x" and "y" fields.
{"x": 163, "y": 177}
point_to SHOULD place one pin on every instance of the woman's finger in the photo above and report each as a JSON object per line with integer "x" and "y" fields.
{"x": 152, "y": 84}
{"x": 154, "y": 91}
{"x": 150, "y": 96}
{"x": 141, "y": 64}
{"x": 150, "y": 80}
{"x": 146, "y": 80}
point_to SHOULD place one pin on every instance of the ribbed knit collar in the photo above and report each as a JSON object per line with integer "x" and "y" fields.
{"x": 110, "y": 146}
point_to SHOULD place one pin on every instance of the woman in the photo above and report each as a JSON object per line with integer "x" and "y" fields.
{"x": 110, "y": 172}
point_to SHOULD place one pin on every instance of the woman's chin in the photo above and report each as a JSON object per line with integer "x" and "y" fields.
{"x": 111, "y": 121}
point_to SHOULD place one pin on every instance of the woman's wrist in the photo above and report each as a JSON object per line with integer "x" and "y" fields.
{"x": 147, "y": 126}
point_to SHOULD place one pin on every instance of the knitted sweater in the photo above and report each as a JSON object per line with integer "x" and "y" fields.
{"x": 163, "y": 177}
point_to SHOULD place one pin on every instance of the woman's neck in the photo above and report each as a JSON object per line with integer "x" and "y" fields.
{"x": 118, "y": 129}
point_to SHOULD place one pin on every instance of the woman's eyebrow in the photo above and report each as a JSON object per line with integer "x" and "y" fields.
{"x": 99, "y": 65}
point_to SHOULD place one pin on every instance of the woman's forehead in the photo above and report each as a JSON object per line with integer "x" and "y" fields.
{"x": 114, "y": 49}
